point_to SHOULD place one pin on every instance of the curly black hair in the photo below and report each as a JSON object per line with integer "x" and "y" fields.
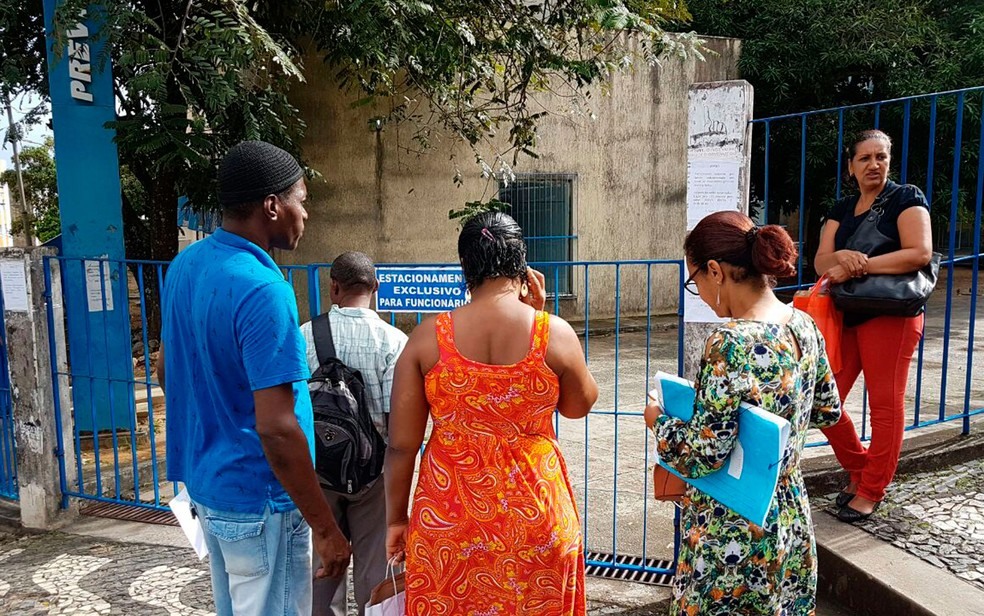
{"x": 491, "y": 246}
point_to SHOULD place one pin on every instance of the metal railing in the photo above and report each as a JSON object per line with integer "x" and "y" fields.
{"x": 938, "y": 153}
{"x": 119, "y": 460}
{"x": 615, "y": 312}
{"x": 8, "y": 450}
{"x": 615, "y": 308}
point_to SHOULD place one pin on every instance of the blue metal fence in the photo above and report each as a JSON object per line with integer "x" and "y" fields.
{"x": 616, "y": 308}
{"x": 799, "y": 172}
{"x": 613, "y": 305}
{"x": 8, "y": 451}
{"x": 112, "y": 464}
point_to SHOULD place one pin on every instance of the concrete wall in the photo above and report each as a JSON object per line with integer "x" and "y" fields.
{"x": 379, "y": 197}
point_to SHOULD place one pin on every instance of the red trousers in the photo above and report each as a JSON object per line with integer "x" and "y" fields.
{"x": 882, "y": 349}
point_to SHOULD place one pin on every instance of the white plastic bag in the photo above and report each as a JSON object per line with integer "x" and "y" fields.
{"x": 389, "y": 597}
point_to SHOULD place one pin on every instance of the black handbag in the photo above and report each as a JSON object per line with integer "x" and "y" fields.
{"x": 897, "y": 295}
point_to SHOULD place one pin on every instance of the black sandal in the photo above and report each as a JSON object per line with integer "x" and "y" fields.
{"x": 844, "y": 498}
{"x": 850, "y": 515}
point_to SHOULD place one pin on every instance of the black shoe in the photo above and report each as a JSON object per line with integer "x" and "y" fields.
{"x": 844, "y": 498}
{"x": 851, "y": 515}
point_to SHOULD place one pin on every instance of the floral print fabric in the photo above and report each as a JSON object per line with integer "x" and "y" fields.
{"x": 493, "y": 529}
{"x": 727, "y": 564}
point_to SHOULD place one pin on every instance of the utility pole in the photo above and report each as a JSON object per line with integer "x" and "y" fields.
{"x": 24, "y": 238}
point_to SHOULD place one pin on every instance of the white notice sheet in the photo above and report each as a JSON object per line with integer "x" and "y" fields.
{"x": 14, "y": 281}
{"x": 712, "y": 186}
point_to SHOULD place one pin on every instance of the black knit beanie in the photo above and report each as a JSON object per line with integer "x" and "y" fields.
{"x": 254, "y": 169}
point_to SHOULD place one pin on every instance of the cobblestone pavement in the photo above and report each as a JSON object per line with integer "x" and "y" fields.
{"x": 66, "y": 574}
{"x": 938, "y": 516}
{"x": 63, "y": 574}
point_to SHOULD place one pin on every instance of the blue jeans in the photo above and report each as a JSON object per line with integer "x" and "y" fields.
{"x": 261, "y": 563}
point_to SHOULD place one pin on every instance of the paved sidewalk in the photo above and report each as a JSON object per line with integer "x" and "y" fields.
{"x": 937, "y": 516}
{"x": 61, "y": 573}
{"x": 922, "y": 552}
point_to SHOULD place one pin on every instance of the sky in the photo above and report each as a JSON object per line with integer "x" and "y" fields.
{"x": 35, "y": 135}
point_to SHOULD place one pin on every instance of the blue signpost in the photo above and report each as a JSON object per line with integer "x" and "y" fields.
{"x": 420, "y": 289}
{"x": 96, "y": 297}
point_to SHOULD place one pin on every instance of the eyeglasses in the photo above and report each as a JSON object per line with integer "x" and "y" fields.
{"x": 691, "y": 285}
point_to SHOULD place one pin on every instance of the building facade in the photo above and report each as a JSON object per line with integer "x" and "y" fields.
{"x": 608, "y": 188}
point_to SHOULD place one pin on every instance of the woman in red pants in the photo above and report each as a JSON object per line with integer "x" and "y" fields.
{"x": 879, "y": 346}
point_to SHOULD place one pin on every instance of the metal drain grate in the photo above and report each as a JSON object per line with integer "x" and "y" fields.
{"x": 130, "y": 513}
{"x": 628, "y": 568}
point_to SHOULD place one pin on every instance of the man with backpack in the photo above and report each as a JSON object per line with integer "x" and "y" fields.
{"x": 352, "y": 353}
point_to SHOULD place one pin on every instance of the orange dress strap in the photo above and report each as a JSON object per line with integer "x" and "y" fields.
{"x": 445, "y": 336}
{"x": 540, "y": 336}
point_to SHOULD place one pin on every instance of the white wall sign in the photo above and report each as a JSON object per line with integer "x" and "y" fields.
{"x": 717, "y": 163}
{"x": 712, "y": 186}
{"x": 95, "y": 292}
{"x": 14, "y": 281}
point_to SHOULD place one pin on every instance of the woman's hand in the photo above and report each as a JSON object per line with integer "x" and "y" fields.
{"x": 838, "y": 274}
{"x": 854, "y": 263}
{"x": 652, "y": 413}
{"x": 396, "y": 541}
{"x": 537, "y": 296}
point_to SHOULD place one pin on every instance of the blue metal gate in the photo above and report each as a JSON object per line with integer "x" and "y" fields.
{"x": 938, "y": 146}
{"x": 8, "y": 452}
{"x": 614, "y": 305}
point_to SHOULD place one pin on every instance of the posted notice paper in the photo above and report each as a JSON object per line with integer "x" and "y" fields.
{"x": 712, "y": 186}
{"x": 13, "y": 278}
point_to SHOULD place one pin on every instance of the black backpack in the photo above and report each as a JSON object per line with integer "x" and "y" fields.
{"x": 348, "y": 448}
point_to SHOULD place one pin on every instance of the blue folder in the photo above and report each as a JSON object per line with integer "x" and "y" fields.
{"x": 747, "y": 481}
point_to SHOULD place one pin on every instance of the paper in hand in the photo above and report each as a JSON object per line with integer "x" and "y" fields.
{"x": 192, "y": 527}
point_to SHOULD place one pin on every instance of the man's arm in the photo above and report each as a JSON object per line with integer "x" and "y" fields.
{"x": 273, "y": 353}
{"x": 286, "y": 449}
{"x": 160, "y": 367}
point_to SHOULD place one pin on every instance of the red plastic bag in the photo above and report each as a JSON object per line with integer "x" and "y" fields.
{"x": 819, "y": 304}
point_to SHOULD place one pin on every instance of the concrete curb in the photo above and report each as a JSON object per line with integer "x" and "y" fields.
{"x": 870, "y": 576}
{"x": 873, "y": 578}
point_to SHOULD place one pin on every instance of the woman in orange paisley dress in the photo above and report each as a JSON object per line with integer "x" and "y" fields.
{"x": 494, "y": 529}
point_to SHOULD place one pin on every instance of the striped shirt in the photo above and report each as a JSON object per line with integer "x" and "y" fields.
{"x": 366, "y": 343}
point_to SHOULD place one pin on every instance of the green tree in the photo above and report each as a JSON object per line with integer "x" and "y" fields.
{"x": 40, "y": 189}
{"x": 813, "y": 54}
{"x": 193, "y": 78}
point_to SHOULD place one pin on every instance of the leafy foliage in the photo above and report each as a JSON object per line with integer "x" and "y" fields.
{"x": 40, "y": 189}
{"x": 193, "y": 78}
{"x": 474, "y": 208}
{"x": 474, "y": 68}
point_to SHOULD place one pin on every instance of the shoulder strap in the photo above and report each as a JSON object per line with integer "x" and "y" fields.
{"x": 540, "y": 335}
{"x": 324, "y": 344}
{"x": 879, "y": 205}
{"x": 444, "y": 327}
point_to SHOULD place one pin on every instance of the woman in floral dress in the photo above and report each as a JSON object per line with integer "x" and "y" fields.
{"x": 769, "y": 355}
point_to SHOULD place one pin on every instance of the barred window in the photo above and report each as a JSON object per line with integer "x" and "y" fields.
{"x": 543, "y": 205}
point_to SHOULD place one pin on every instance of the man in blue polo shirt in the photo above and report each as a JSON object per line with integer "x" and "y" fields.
{"x": 239, "y": 419}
